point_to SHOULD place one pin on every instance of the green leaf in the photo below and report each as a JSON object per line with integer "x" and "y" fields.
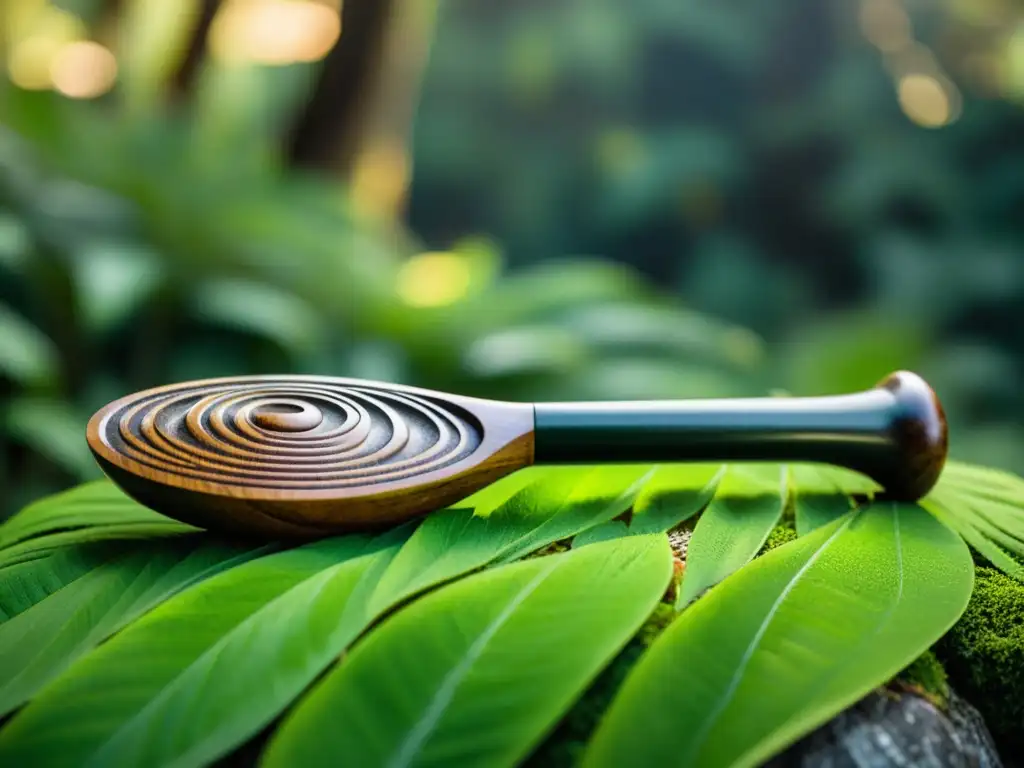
{"x": 44, "y": 640}
{"x": 613, "y": 529}
{"x": 91, "y": 512}
{"x": 15, "y": 248}
{"x": 25, "y": 584}
{"x": 152, "y": 40}
{"x": 113, "y": 280}
{"x": 260, "y": 309}
{"x": 207, "y": 669}
{"x": 27, "y": 356}
{"x": 993, "y": 483}
{"x": 820, "y": 496}
{"x": 982, "y": 543}
{"x": 986, "y": 507}
{"x": 476, "y": 673}
{"x": 533, "y": 351}
{"x": 818, "y": 623}
{"x": 53, "y": 429}
{"x": 979, "y": 516}
{"x": 536, "y": 293}
{"x": 675, "y": 494}
{"x": 555, "y": 504}
{"x": 665, "y": 331}
{"x": 852, "y": 351}
{"x": 731, "y": 531}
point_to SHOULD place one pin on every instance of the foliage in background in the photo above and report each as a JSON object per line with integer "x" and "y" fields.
{"x": 144, "y": 242}
{"x": 466, "y": 637}
{"x": 843, "y": 177}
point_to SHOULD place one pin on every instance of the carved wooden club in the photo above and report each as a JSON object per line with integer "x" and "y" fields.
{"x": 311, "y": 456}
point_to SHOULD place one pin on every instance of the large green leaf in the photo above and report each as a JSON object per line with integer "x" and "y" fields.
{"x": 475, "y": 673}
{"x": 262, "y": 310}
{"x": 554, "y": 504}
{"x": 986, "y": 507}
{"x": 54, "y": 429}
{"x": 41, "y": 642}
{"x": 954, "y": 517}
{"x": 27, "y": 356}
{"x": 789, "y": 641}
{"x": 25, "y": 584}
{"x": 821, "y": 495}
{"x": 747, "y": 505}
{"x": 676, "y": 493}
{"x": 154, "y": 36}
{"x": 113, "y": 280}
{"x": 208, "y": 668}
{"x": 91, "y": 512}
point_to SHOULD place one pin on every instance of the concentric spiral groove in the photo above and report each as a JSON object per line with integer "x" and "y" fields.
{"x": 290, "y": 433}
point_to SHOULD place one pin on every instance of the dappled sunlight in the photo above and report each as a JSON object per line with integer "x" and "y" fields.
{"x": 380, "y": 179}
{"x": 885, "y": 24}
{"x": 275, "y": 32}
{"x": 434, "y": 279}
{"x": 36, "y": 34}
{"x": 925, "y": 101}
{"x": 83, "y": 70}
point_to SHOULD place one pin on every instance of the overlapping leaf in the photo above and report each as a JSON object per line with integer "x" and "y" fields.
{"x": 748, "y": 504}
{"x": 674, "y": 494}
{"x": 208, "y": 668}
{"x": 53, "y": 428}
{"x": 986, "y": 507}
{"x": 92, "y": 512}
{"x": 543, "y": 506}
{"x": 178, "y": 684}
{"x": 476, "y": 672}
{"x": 41, "y": 642}
{"x": 27, "y": 356}
{"x": 817, "y": 623}
{"x": 25, "y": 584}
{"x": 822, "y": 494}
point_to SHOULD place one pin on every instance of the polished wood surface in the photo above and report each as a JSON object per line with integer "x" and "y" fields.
{"x": 920, "y": 435}
{"x": 308, "y": 456}
{"x": 305, "y": 456}
{"x": 895, "y": 432}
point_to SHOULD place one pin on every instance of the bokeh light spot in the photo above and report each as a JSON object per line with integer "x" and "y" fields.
{"x": 434, "y": 279}
{"x": 37, "y": 34}
{"x": 380, "y": 178}
{"x": 885, "y": 24}
{"x": 274, "y": 32}
{"x": 30, "y": 61}
{"x": 83, "y": 70}
{"x": 925, "y": 100}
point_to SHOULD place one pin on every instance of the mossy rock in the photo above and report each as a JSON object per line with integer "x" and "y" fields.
{"x": 983, "y": 655}
{"x": 566, "y": 744}
{"x": 985, "y": 658}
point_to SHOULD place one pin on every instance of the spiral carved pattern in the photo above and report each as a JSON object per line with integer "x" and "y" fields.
{"x": 290, "y": 433}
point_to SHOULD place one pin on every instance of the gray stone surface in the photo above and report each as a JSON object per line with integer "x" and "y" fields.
{"x": 889, "y": 729}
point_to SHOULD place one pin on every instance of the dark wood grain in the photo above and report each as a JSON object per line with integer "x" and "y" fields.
{"x": 310, "y": 456}
{"x": 920, "y": 434}
{"x": 305, "y": 456}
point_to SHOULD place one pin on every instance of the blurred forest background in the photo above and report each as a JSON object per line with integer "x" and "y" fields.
{"x": 525, "y": 199}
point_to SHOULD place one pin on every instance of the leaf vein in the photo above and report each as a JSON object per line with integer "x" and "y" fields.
{"x": 421, "y": 731}
{"x": 734, "y": 682}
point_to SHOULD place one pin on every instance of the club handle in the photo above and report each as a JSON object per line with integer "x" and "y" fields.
{"x": 896, "y": 433}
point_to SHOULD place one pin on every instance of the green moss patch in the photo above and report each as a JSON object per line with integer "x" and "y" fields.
{"x": 780, "y": 535}
{"x": 984, "y": 656}
{"x": 926, "y": 677}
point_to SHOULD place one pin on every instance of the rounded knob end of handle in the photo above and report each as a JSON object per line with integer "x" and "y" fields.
{"x": 920, "y": 436}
